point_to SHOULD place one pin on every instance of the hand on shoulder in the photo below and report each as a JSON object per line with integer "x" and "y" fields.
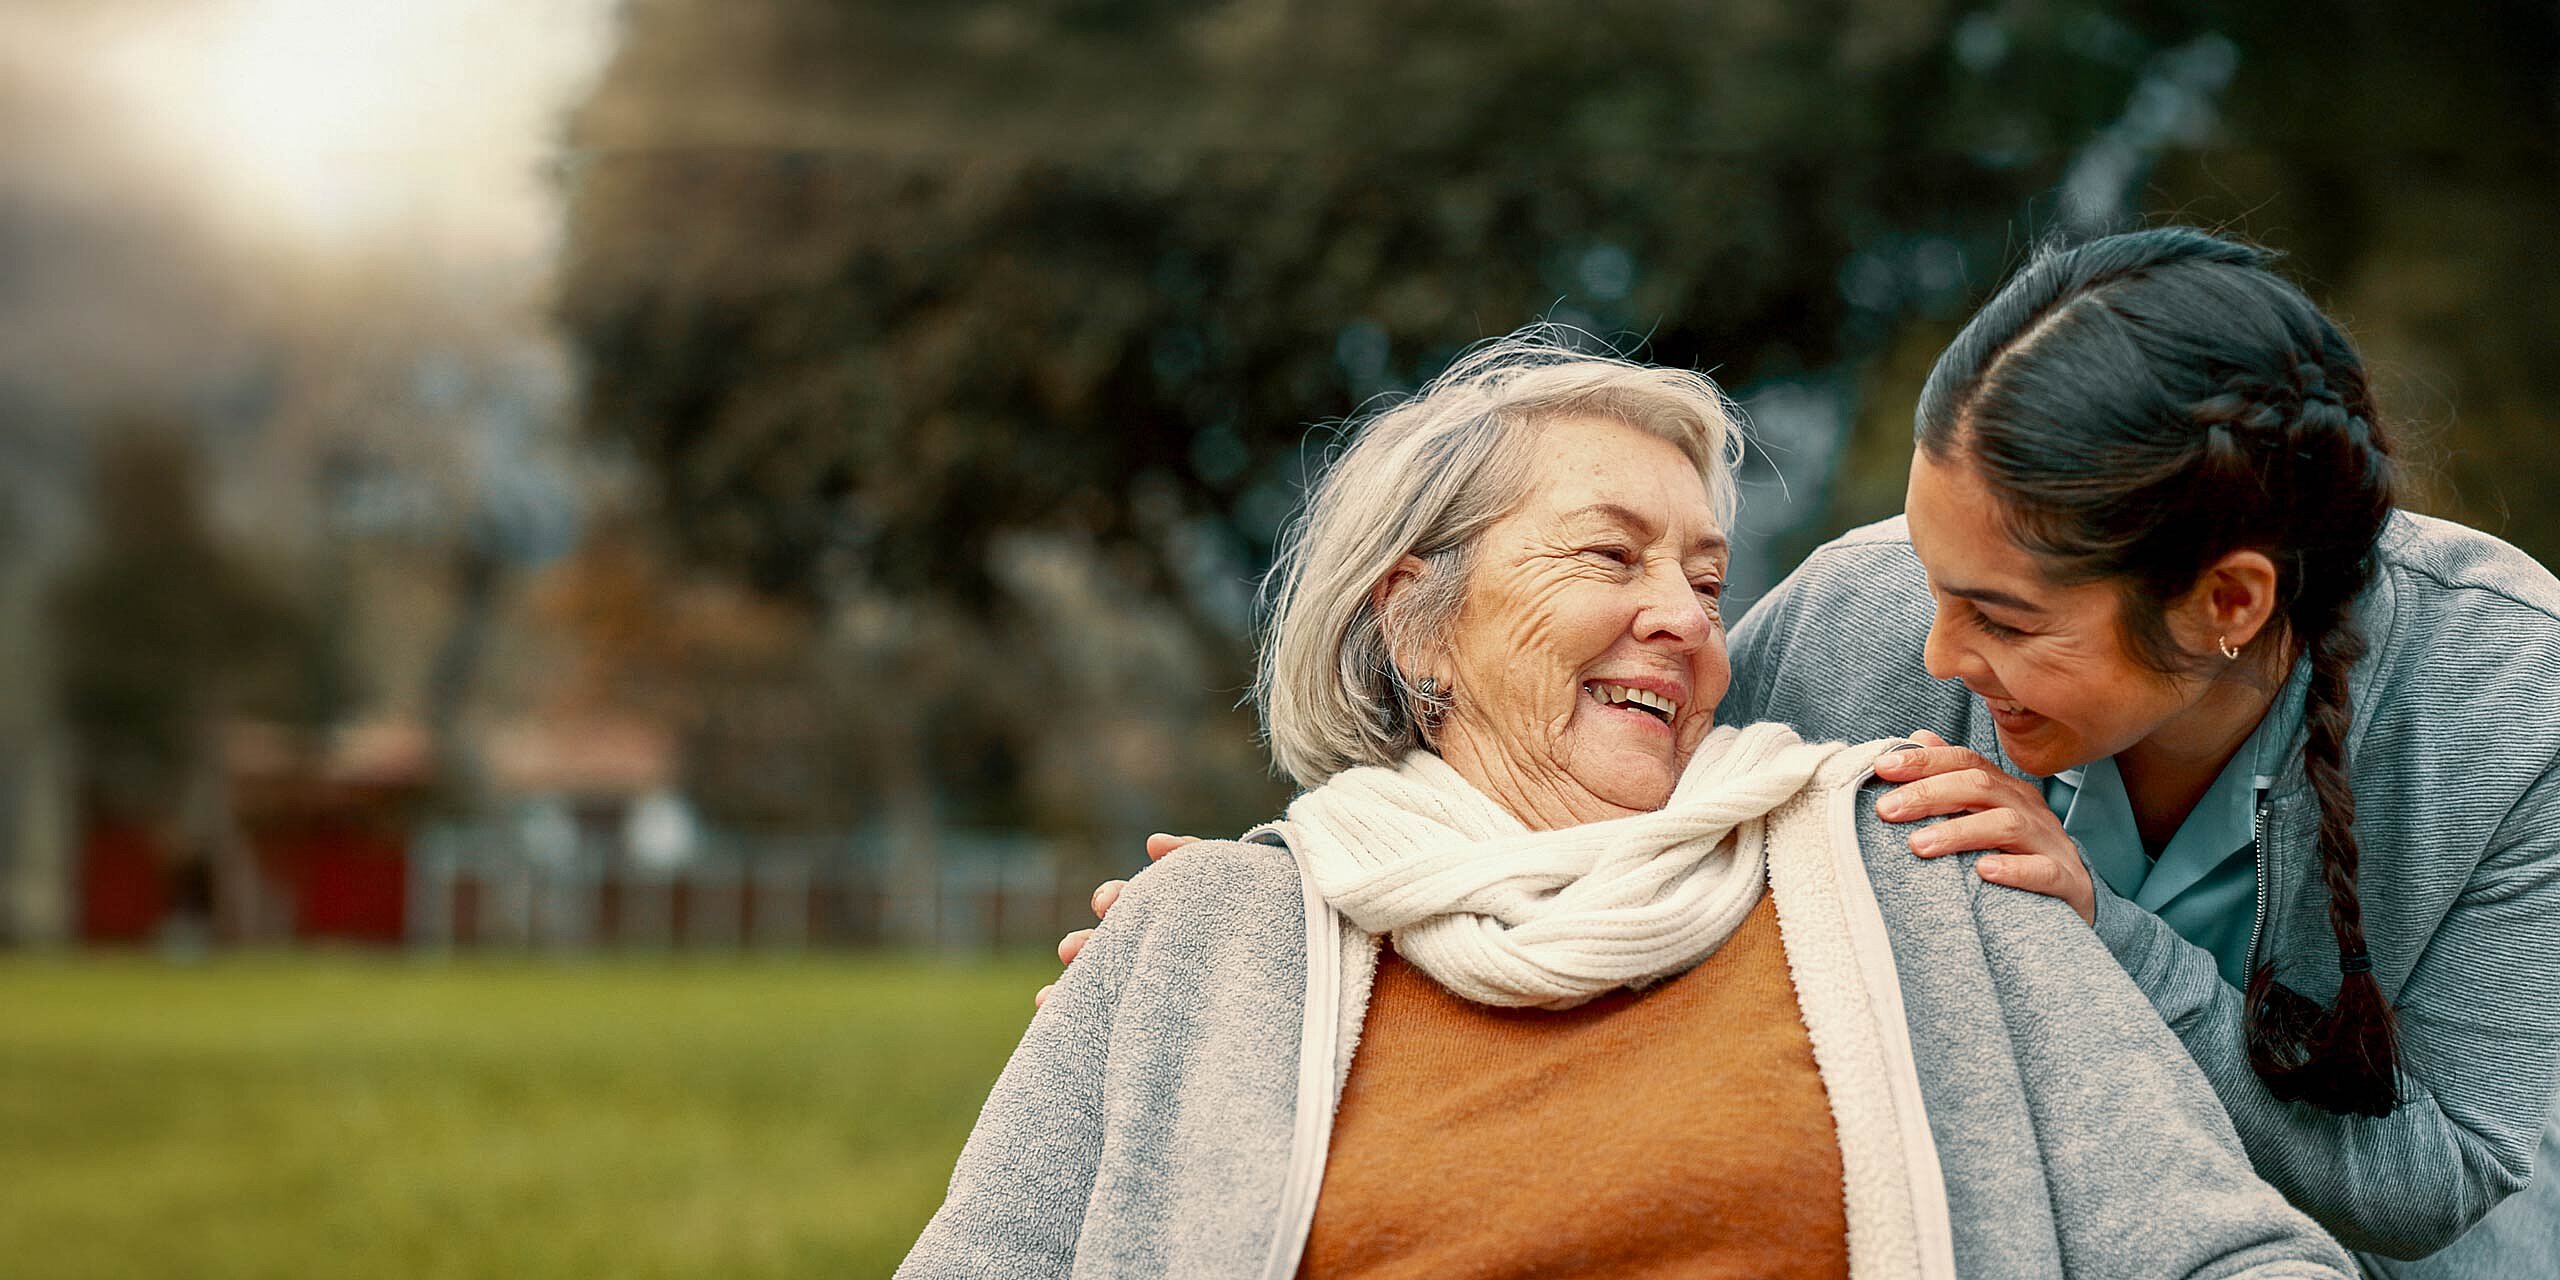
{"x": 1999, "y": 814}
{"x": 1105, "y": 896}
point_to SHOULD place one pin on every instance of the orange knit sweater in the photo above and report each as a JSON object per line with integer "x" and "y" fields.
{"x": 1679, "y": 1131}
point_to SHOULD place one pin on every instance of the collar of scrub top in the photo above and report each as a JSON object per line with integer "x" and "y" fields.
{"x": 2096, "y": 812}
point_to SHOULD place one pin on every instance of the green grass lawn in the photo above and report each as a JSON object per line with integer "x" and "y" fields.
{"x": 354, "y": 1115}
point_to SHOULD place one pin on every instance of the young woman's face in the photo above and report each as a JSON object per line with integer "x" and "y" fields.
{"x": 2047, "y": 660}
{"x": 1589, "y": 655}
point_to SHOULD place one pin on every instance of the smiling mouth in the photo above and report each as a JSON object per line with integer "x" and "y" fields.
{"x": 1623, "y": 698}
{"x": 2003, "y": 706}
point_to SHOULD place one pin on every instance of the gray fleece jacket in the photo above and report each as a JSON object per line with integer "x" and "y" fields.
{"x": 2455, "y": 758}
{"x": 1165, "y": 1114}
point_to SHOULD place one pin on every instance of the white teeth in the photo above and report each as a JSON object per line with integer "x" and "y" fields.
{"x": 1617, "y": 694}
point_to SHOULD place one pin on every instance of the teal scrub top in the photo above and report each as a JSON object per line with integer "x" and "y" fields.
{"x": 2205, "y": 883}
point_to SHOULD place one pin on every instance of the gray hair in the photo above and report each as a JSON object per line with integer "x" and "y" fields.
{"x": 1423, "y": 477}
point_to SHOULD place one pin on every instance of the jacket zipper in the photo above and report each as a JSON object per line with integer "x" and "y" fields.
{"x": 2258, "y": 852}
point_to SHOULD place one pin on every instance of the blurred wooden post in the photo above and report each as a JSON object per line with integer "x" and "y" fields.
{"x": 36, "y": 872}
{"x": 779, "y": 892}
{"x": 429, "y": 908}
{"x": 648, "y": 917}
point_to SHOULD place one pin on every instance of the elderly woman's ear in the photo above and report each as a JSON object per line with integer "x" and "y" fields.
{"x": 1412, "y": 664}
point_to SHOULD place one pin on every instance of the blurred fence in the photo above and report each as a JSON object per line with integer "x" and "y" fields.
{"x": 484, "y": 885}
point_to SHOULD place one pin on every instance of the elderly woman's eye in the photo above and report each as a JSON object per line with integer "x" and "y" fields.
{"x": 1711, "y": 588}
{"x": 1613, "y": 554}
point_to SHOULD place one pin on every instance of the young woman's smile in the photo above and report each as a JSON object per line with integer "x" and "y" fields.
{"x": 2047, "y": 660}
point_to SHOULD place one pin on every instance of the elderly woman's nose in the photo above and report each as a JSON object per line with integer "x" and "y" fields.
{"x": 1674, "y": 608}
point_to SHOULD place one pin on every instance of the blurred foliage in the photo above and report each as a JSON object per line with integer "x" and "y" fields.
{"x": 880, "y": 294}
{"x": 868, "y": 286}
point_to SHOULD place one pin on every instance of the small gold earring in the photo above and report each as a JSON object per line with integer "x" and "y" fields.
{"x": 2224, "y": 643}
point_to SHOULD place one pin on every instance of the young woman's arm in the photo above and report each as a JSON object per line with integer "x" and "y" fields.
{"x": 2479, "y": 1017}
{"x": 2033, "y": 1043}
{"x": 2479, "y": 1025}
{"x": 2480, "y": 1032}
{"x": 1835, "y": 650}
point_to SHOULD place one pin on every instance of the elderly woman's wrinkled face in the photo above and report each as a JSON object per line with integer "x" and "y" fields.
{"x": 1589, "y": 654}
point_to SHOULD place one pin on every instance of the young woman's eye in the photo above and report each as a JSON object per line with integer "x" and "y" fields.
{"x": 1995, "y": 628}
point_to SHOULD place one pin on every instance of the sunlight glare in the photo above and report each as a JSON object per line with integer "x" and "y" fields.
{"x": 332, "y": 123}
{"x": 304, "y": 93}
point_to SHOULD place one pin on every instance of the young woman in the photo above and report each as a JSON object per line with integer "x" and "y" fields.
{"x": 2296, "y": 748}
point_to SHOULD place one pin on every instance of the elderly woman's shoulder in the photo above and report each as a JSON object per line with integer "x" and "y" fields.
{"x": 1885, "y": 848}
{"x": 1231, "y": 862}
{"x": 1208, "y": 879}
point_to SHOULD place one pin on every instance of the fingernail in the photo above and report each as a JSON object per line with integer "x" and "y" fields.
{"x": 1902, "y": 746}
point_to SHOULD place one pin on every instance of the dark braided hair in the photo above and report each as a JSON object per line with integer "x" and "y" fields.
{"x": 2142, "y": 405}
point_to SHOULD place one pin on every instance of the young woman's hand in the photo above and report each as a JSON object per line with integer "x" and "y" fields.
{"x": 1104, "y": 895}
{"x": 1999, "y": 812}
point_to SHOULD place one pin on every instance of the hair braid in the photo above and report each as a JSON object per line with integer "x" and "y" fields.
{"x": 2345, "y": 1058}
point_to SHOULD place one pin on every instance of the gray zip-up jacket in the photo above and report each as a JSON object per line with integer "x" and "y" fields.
{"x": 1166, "y": 1113}
{"x": 2455, "y": 758}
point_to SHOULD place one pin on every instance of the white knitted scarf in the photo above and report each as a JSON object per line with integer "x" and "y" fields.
{"x": 1503, "y": 915}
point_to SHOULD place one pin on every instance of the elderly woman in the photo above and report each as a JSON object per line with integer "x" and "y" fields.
{"x": 1545, "y": 975}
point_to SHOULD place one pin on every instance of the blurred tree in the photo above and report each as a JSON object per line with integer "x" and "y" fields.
{"x": 874, "y": 292}
{"x": 160, "y": 628}
{"x": 163, "y": 635}
{"x": 867, "y": 286}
